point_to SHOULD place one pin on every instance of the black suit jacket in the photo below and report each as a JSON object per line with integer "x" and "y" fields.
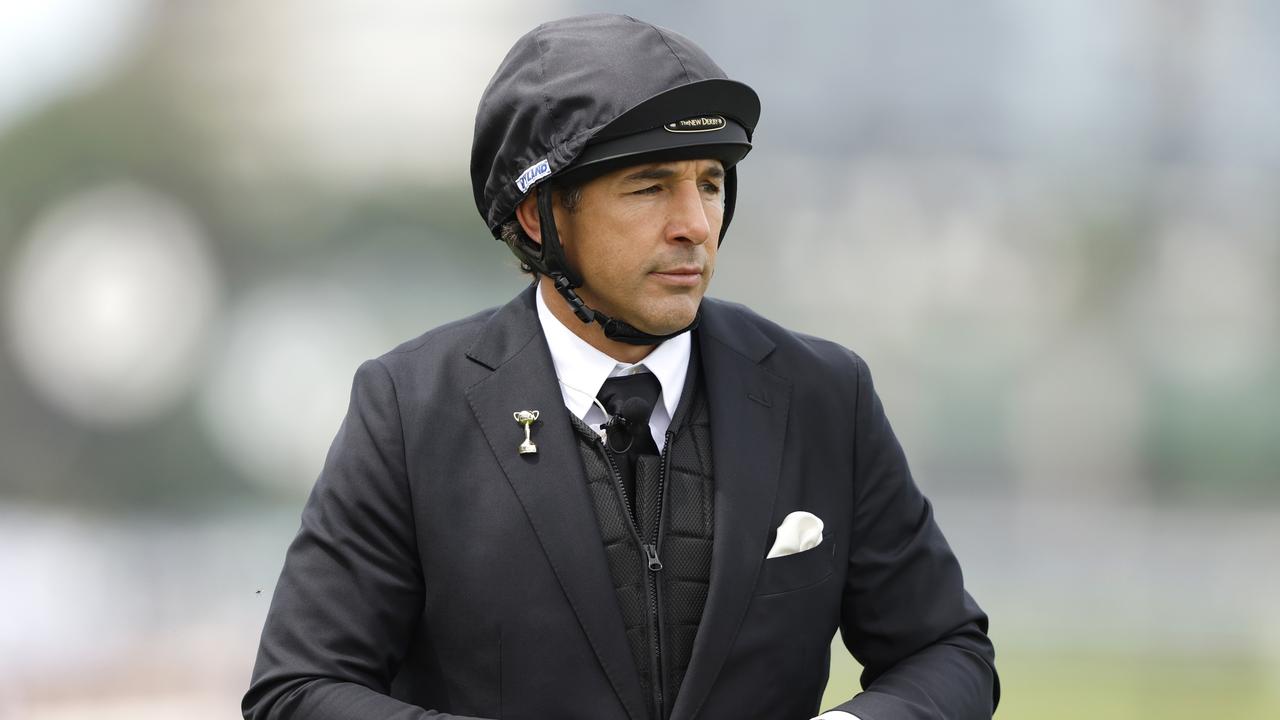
{"x": 438, "y": 573}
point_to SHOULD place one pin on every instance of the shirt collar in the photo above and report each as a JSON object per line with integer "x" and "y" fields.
{"x": 582, "y": 369}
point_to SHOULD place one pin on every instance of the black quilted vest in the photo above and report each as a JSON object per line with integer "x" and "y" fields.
{"x": 661, "y": 608}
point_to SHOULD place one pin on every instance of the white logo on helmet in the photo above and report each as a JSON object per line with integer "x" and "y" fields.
{"x": 700, "y": 123}
{"x": 533, "y": 174}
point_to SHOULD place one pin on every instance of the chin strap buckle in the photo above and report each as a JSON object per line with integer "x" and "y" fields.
{"x": 565, "y": 288}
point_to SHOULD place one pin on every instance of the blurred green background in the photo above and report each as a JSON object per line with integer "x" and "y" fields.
{"x": 1051, "y": 228}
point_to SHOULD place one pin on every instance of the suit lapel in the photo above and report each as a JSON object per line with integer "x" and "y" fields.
{"x": 550, "y": 484}
{"x": 748, "y": 425}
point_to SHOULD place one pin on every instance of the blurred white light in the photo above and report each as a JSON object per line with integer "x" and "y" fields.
{"x": 52, "y": 46}
{"x": 280, "y": 388}
{"x": 54, "y": 564}
{"x": 112, "y": 298}
{"x": 349, "y": 89}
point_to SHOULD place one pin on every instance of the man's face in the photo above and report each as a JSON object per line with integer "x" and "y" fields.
{"x": 644, "y": 240}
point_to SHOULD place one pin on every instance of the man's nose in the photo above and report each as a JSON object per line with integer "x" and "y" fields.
{"x": 688, "y": 219}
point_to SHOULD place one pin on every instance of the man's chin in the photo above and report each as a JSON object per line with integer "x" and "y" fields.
{"x": 654, "y": 315}
{"x": 667, "y": 322}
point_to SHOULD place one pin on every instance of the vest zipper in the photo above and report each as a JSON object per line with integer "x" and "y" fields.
{"x": 660, "y": 681}
{"x": 652, "y": 562}
{"x": 622, "y": 491}
{"x": 651, "y": 554}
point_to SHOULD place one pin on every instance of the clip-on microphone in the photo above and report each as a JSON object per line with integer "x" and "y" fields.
{"x": 628, "y": 421}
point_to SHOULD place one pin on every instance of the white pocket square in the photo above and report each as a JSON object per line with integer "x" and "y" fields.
{"x": 798, "y": 532}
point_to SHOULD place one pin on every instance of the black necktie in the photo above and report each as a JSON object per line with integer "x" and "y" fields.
{"x": 629, "y": 400}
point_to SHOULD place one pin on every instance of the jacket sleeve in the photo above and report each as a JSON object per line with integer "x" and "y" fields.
{"x": 351, "y": 590}
{"x": 905, "y": 615}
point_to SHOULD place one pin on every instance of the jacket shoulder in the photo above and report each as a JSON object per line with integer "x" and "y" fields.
{"x": 451, "y": 337}
{"x": 428, "y": 371}
{"x": 794, "y": 352}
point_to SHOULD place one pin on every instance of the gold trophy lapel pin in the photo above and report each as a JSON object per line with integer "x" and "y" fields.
{"x": 526, "y": 418}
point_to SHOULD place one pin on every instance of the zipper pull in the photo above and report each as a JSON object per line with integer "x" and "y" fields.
{"x": 651, "y": 553}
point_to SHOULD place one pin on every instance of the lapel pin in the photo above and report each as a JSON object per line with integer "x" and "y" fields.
{"x": 526, "y": 418}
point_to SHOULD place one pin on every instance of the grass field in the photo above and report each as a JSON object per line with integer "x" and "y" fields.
{"x": 1114, "y": 686}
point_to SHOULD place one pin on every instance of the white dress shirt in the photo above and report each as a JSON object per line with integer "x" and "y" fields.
{"x": 582, "y": 370}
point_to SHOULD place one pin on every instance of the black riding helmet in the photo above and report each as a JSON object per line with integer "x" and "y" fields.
{"x": 589, "y": 94}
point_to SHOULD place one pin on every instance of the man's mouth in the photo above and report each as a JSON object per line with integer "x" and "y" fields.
{"x": 687, "y": 275}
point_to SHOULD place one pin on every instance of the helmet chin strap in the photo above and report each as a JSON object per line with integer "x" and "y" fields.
{"x": 557, "y": 267}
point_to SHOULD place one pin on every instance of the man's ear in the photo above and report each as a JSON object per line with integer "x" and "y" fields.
{"x": 527, "y": 214}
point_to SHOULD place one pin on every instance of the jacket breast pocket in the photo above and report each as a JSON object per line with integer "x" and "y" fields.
{"x": 797, "y": 570}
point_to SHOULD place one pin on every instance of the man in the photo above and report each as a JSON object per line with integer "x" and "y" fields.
{"x": 611, "y": 498}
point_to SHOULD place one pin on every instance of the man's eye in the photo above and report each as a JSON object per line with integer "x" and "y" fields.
{"x": 652, "y": 189}
{"x": 711, "y": 188}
